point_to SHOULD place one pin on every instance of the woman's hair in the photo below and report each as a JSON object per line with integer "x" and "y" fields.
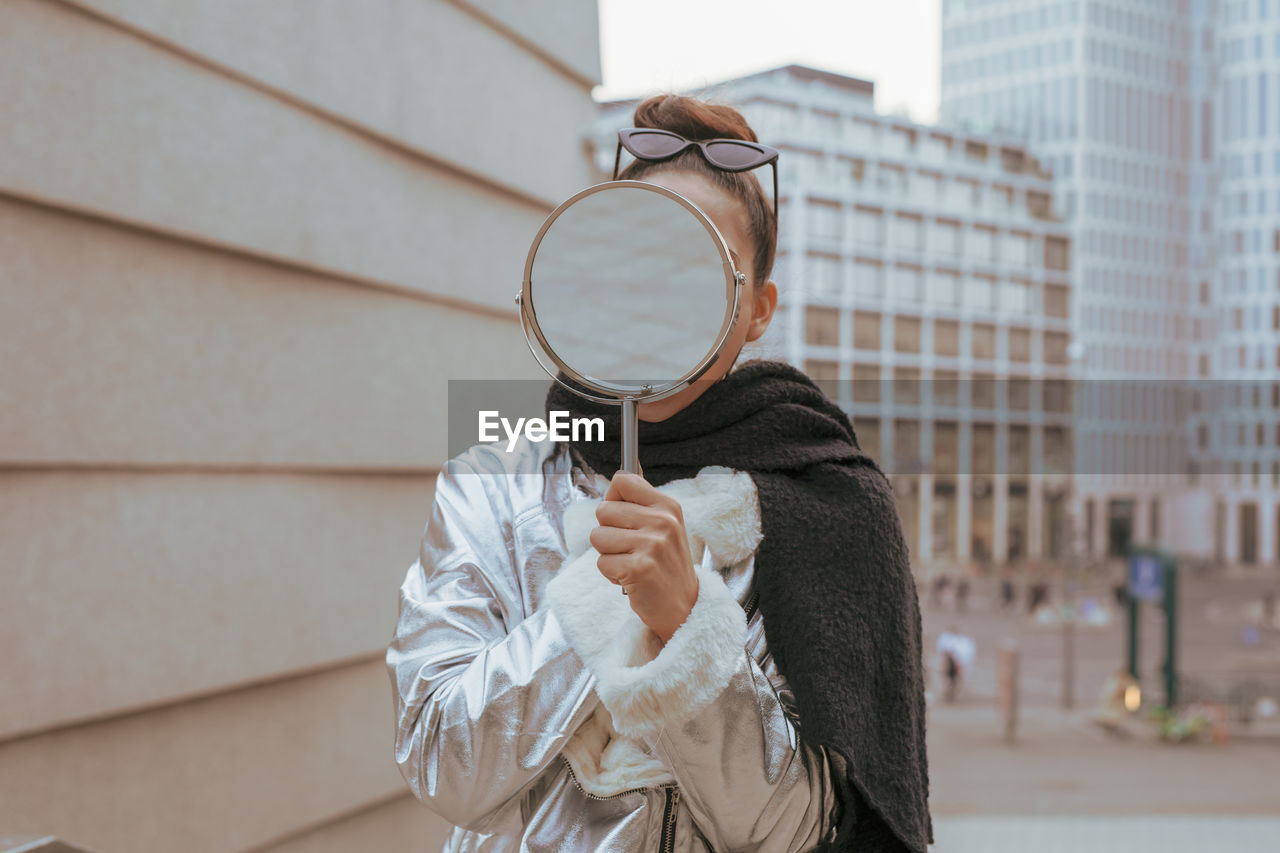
{"x": 698, "y": 120}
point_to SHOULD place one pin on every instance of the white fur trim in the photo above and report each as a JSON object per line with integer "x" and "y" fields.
{"x": 720, "y": 511}
{"x": 643, "y": 684}
{"x": 606, "y": 763}
{"x": 644, "y": 691}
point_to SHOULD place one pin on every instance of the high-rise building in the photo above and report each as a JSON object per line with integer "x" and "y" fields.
{"x": 1237, "y": 417}
{"x": 1114, "y": 96}
{"x": 924, "y": 279}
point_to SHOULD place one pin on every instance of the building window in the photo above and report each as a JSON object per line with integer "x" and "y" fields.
{"x": 983, "y": 450}
{"x": 946, "y": 237}
{"x": 866, "y": 331}
{"x": 824, "y": 374}
{"x": 1017, "y": 297}
{"x": 946, "y": 338}
{"x": 1057, "y": 255}
{"x": 821, "y": 326}
{"x": 906, "y": 446}
{"x": 982, "y": 391}
{"x": 1057, "y": 451}
{"x": 906, "y": 385}
{"x": 944, "y": 288}
{"x": 1019, "y": 450}
{"x": 946, "y": 448}
{"x": 824, "y": 275}
{"x": 908, "y": 283}
{"x": 1020, "y": 345}
{"x": 869, "y": 226}
{"x": 867, "y": 431}
{"x": 868, "y": 281}
{"x": 908, "y": 233}
{"x": 1017, "y": 248}
{"x": 1055, "y": 348}
{"x": 1019, "y": 390}
{"x": 906, "y": 334}
{"x": 1056, "y": 396}
{"x": 1038, "y": 205}
{"x": 866, "y": 383}
{"x": 1057, "y": 301}
{"x": 827, "y": 219}
{"x": 982, "y": 244}
{"x": 946, "y": 388}
{"x": 981, "y": 293}
{"x": 984, "y": 341}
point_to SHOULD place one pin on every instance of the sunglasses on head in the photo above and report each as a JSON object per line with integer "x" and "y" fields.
{"x": 731, "y": 155}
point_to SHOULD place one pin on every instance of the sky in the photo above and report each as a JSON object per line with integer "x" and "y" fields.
{"x": 651, "y": 45}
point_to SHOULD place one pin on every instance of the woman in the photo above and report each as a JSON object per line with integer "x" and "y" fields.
{"x": 757, "y": 685}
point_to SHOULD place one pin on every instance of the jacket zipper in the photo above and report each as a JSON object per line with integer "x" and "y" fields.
{"x": 592, "y": 796}
{"x": 669, "y": 820}
{"x": 668, "y": 840}
{"x": 751, "y": 604}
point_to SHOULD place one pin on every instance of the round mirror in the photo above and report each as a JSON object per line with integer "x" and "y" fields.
{"x": 629, "y": 289}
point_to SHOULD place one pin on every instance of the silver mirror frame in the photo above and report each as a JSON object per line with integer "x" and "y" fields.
{"x": 734, "y": 284}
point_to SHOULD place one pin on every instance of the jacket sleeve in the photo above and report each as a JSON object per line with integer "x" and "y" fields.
{"x": 474, "y": 724}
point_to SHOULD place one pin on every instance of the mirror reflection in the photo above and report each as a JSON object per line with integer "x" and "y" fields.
{"x": 629, "y": 287}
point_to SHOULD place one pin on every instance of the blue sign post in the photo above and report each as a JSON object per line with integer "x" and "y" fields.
{"x": 1146, "y": 577}
{"x": 1153, "y": 576}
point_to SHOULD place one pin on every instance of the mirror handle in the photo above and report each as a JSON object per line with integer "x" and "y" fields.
{"x": 630, "y": 436}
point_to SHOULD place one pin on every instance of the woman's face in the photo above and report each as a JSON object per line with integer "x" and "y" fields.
{"x": 729, "y": 216}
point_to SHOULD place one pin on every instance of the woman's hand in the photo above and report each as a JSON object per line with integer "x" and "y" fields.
{"x": 644, "y": 548}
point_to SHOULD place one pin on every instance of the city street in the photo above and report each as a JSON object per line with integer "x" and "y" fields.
{"x": 1067, "y": 784}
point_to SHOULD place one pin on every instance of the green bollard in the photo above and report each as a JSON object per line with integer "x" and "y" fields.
{"x": 1132, "y": 607}
{"x": 1171, "y": 632}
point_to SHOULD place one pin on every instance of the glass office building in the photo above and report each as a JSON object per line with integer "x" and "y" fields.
{"x": 1237, "y": 438}
{"x": 1116, "y": 96}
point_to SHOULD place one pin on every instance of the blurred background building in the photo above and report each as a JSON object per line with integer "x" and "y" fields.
{"x": 1100, "y": 90}
{"x": 1238, "y": 420}
{"x": 242, "y": 248}
{"x": 1159, "y": 122}
{"x": 923, "y": 279}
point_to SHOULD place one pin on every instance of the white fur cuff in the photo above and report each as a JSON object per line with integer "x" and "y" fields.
{"x": 642, "y": 683}
{"x": 687, "y": 674}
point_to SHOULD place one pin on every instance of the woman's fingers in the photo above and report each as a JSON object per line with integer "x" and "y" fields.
{"x": 612, "y": 540}
{"x": 621, "y": 568}
{"x": 619, "y": 513}
{"x": 626, "y": 486}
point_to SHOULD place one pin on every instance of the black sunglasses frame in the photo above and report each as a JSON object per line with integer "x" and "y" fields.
{"x": 770, "y": 154}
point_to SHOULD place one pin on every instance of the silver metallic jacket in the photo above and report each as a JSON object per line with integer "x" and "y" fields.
{"x": 536, "y": 713}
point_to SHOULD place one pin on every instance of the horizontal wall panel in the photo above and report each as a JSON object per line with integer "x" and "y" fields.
{"x": 96, "y": 118}
{"x": 402, "y": 826}
{"x": 120, "y": 348}
{"x": 124, "y": 590}
{"x": 407, "y": 69}
{"x": 227, "y": 773}
{"x": 567, "y": 29}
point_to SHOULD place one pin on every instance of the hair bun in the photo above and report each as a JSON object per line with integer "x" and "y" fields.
{"x": 693, "y": 118}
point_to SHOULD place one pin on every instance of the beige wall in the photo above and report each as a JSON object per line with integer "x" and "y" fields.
{"x": 243, "y": 247}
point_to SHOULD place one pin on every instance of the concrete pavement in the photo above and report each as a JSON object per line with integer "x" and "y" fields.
{"x": 1128, "y": 834}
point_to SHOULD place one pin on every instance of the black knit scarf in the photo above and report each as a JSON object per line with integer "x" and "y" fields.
{"x": 840, "y": 610}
